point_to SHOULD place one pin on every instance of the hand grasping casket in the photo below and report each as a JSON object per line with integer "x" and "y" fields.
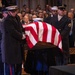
{"x": 42, "y": 35}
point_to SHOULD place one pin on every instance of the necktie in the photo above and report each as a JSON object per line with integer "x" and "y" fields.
{"x": 71, "y": 27}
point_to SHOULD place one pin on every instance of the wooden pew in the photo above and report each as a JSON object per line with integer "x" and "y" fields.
{"x": 72, "y": 50}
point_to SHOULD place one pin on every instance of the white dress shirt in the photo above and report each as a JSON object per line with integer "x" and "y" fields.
{"x": 59, "y": 17}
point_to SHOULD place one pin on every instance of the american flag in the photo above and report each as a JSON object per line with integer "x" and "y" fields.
{"x": 44, "y": 32}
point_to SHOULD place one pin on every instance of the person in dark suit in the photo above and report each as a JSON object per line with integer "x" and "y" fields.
{"x": 63, "y": 24}
{"x": 72, "y": 31}
{"x": 11, "y": 42}
{"x": 72, "y": 35}
{"x": 4, "y": 14}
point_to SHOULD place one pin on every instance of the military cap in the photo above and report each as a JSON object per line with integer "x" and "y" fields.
{"x": 37, "y": 19}
{"x": 54, "y": 8}
{"x": 61, "y": 8}
{"x": 11, "y": 8}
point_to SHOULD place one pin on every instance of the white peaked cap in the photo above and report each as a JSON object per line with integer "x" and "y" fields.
{"x": 37, "y": 19}
{"x": 54, "y": 8}
{"x": 14, "y": 7}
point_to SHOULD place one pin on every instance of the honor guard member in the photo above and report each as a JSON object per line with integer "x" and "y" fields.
{"x": 63, "y": 24}
{"x": 54, "y": 10}
{"x": 11, "y": 41}
{"x": 4, "y": 15}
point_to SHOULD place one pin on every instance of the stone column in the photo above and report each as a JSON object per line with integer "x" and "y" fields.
{"x": 33, "y": 4}
{"x": 42, "y": 3}
{"x": 70, "y": 4}
{"x": 67, "y": 3}
{"x": 19, "y": 3}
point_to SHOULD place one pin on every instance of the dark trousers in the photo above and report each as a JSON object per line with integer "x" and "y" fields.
{"x": 58, "y": 56}
{"x": 71, "y": 41}
{"x": 1, "y": 66}
{"x": 1, "y": 69}
{"x": 9, "y": 69}
{"x": 12, "y": 69}
{"x": 18, "y": 69}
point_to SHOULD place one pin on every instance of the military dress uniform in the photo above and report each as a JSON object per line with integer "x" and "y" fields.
{"x": 64, "y": 28}
{"x": 63, "y": 24}
{"x": 1, "y": 64}
{"x": 4, "y": 12}
{"x": 11, "y": 42}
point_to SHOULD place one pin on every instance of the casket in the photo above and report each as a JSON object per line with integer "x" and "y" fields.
{"x": 40, "y": 45}
{"x": 41, "y": 35}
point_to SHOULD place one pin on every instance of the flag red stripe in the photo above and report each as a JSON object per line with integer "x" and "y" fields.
{"x": 37, "y": 25}
{"x": 53, "y": 34}
{"x": 59, "y": 40}
{"x": 45, "y": 31}
{"x": 32, "y": 32}
{"x": 10, "y": 69}
{"x": 29, "y": 42}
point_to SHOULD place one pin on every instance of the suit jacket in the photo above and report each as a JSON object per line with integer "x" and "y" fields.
{"x": 48, "y": 20}
{"x": 73, "y": 30}
{"x": 11, "y": 40}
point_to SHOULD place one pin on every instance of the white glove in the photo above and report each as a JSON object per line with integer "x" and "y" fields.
{"x": 23, "y": 36}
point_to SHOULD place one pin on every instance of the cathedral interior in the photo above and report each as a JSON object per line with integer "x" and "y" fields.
{"x": 33, "y": 3}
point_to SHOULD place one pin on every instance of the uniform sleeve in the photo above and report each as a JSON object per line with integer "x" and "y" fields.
{"x": 11, "y": 30}
{"x": 66, "y": 29}
{"x": 47, "y": 20}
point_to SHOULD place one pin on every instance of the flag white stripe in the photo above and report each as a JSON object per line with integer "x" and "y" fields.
{"x": 60, "y": 45}
{"x": 49, "y": 33}
{"x": 41, "y": 29}
{"x": 31, "y": 37}
{"x": 32, "y": 25}
{"x": 56, "y": 38}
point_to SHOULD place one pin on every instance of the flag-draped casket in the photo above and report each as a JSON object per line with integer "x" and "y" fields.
{"x": 41, "y": 34}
